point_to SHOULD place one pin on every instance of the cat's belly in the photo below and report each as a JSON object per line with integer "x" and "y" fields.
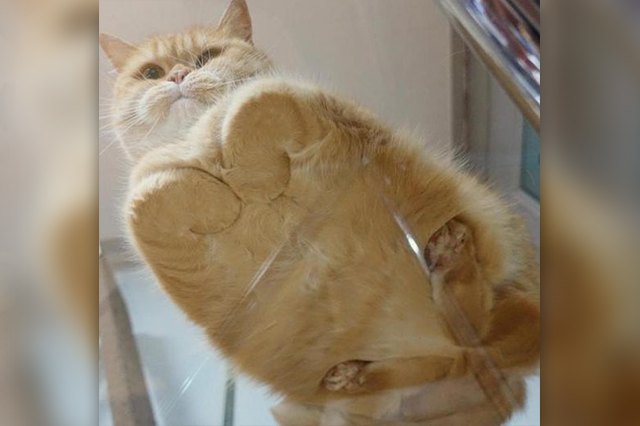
{"x": 292, "y": 344}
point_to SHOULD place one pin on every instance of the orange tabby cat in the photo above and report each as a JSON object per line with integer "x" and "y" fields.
{"x": 323, "y": 253}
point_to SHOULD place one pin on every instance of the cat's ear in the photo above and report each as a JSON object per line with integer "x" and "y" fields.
{"x": 116, "y": 49}
{"x": 236, "y": 21}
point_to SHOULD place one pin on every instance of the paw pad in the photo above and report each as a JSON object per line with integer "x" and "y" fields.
{"x": 445, "y": 246}
{"x": 346, "y": 376}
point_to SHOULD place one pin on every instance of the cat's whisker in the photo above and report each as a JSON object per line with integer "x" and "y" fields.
{"x": 106, "y": 148}
{"x": 119, "y": 113}
{"x": 119, "y": 118}
{"x": 126, "y": 129}
{"x": 138, "y": 120}
{"x": 155, "y": 124}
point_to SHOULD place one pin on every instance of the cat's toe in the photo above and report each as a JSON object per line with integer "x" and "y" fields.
{"x": 346, "y": 376}
{"x": 445, "y": 246}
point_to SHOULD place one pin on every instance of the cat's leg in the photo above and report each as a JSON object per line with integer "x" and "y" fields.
{"x": 181, "y": 194}
{"x": 495, "y": 329}
{"x": 171, "y": 215}
{"x": 266, "y": 123}
{"x": 491, "y": 365}
{"x": 450, "y": 257}
{"x": 497, "y": 326}
{"x": 459, "y": 288}
{"x": 512, "y": 343}
{"x": 358, "y": 377}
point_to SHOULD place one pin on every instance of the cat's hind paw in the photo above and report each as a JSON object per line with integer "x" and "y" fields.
{"x": 445, "y": 246}
{"x": 345, "y": 377}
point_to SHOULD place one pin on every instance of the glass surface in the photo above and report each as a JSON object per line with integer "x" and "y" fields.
{"x": 371, "y": 44}
{"x": 187, "y": 381}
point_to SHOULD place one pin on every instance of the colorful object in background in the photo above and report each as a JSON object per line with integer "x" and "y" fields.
{"x": 505, "y": 34}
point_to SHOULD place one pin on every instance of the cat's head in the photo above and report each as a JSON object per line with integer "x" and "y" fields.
{"x": 166, "y": 82}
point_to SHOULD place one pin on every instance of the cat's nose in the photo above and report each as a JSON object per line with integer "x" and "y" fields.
{"x": 178, "y": 74}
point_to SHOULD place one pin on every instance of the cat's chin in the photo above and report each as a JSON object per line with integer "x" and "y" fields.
{"x": 185, "y": 110}
{"x": 186, "y": 104}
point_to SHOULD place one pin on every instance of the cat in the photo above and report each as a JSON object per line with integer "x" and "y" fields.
{"x": 322, "y": 252}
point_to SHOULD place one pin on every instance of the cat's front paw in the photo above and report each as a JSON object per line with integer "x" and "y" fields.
{"x": 179, "y": 204}
{"x": 346, "y": 377}
{"x": 445, "y": 246}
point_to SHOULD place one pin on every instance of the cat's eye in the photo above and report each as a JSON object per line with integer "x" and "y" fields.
{"x": 152, "y": 72}
{"x": 207, "y": 55}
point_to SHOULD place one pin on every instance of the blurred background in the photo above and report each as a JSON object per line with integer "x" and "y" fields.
{"x": 48, "y": 212}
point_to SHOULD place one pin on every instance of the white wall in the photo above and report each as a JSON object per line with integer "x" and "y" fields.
{"x": 392, "y": 56}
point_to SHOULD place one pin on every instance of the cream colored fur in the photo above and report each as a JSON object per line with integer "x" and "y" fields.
{"x": 278, "y": 222}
